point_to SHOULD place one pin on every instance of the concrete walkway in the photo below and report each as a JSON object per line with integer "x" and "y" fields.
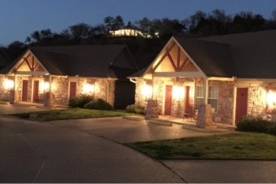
{"x": 225, "y": 171}
{"x": 20, "y": 108}
{"x": 128, "y": 131}
{"x": 41, "y": 152}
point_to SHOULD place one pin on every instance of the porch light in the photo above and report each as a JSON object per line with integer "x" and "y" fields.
{"x": 8, "y": 84}
{"x": 88, "y": 89}
{"x": 271, "y": 99}
{"x": 147, "y": 91}
{"x": 178, "y": 93}
{"x": 46, "y": 86}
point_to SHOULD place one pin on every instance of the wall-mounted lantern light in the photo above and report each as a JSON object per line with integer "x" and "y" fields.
{"x": 178, "y": 93}
{"x": 8, "y": 84}
{"x": 271, "y": 99}
{"x": 147, "y": 91}
{"x": 88, "y": 89}
{"x": 46, "y": 86}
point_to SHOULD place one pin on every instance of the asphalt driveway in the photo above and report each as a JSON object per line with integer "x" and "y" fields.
{"x": 41, "y": 152}
{"x": 90, "y": 151}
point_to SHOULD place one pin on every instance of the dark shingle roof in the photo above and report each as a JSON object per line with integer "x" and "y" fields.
{"x": 253, "y": 54}
{"x": 85, "y": 60}
{"x": 214, "y": 59}
{"x": 4, "y": 62}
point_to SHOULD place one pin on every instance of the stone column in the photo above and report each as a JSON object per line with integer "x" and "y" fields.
{"x": 152, "y": 110}
{"x": 47, "y": 93}
{"x": 205, "y": 116}
{"x": 12, "y": 91}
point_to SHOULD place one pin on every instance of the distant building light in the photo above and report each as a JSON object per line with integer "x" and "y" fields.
{"x": 127, "y": 32}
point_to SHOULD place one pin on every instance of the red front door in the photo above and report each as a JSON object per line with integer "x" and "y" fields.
{"x": 73, "y": 90}
{"x": 36, "y": 92}
{"x": 25, "y": 91}
{"x": 168, "y": 100}
{"x": 241, "y": 103}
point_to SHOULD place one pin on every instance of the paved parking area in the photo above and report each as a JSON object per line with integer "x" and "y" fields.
{"x": 87, "y": 151}
{"x": 40, "y": 152}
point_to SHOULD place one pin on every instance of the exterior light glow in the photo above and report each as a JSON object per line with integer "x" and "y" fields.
{"x": 88, "y": 89}
{"x": 147, "y": 91}
{"x": 8, "y": 84}
{"x": 46, "y": 86}
{"x": 178, "y": 93}
{"x": 271, "y": 99}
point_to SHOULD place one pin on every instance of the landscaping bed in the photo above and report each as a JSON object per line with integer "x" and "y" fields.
{"x": 71, "y": 113}
{"x": 238, "y": 146}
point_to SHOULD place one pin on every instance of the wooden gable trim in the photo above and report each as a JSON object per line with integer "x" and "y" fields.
{"x": 189, "y": 57}
{"x": 166, "y": 54}
{"x": 23, "y": 59}
{"x": 174, "y": 42}
{"x": 149, "y": 68}
{"x": 171, "y": 60}
{"x": 178, "y": 59}
{"x": 178, "y": 74}
{"x": 184, "y": 64}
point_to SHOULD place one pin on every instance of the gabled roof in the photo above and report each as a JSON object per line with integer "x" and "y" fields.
{"x": 85, "y": 60}
{"x": 243, "y": 55}
{"x": 214, "y": 59}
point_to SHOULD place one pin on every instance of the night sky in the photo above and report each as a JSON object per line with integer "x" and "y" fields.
{"x": 18, "y": 18}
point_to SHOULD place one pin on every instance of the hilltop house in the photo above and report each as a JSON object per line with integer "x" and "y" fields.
{"x": 51, "y": 76}
{"x": 232, "y": 76}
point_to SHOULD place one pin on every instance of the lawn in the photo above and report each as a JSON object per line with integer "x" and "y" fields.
{"x": 72, "y": 113}
{"x": 238, "y": 146}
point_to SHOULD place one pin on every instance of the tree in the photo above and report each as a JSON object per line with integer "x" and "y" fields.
{"x": 111, "y": 23}
{"x": 81, "y": 31}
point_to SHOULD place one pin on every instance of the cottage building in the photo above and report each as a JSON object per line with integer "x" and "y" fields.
{"x": 234, "y": 75}
{"x": 51, "y": 76}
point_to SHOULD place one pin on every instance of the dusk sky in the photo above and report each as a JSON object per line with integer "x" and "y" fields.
{"x": 18, "y": 18}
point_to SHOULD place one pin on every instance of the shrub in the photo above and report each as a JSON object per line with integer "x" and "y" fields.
{"x": 135, "y": 109}
{"x": 272, "y": 129}
{"x": 251, "y": 124}
{"x": 99, "y": 104}
{"x": 80, "y": 101}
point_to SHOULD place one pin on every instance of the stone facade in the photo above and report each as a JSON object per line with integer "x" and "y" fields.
{"x": 4, "y": 93}
{"x": 59, "y": 89}
{"x": 225, "y": 107}
{"x": 256, "y": 100}
{"x": 104, "y": 89}
{"x": 159, "y": 88}
{"x": 225, "y": 101}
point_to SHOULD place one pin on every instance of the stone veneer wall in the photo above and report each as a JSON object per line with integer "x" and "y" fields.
{"x": 59, "y": 91}
{"x": 159, "y": 88}
{"x": 139, "y": 98}
{"x": 256, "y": 100}
{"x": 4, "y": 94}
{"x": 225, "y": 109}
{"x": 104, "y": 89}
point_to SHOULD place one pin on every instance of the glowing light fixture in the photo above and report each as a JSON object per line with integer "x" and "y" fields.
{"x": 178, "y": 93}
{"x": 147, "y": 91}
{"x": 88, "y": 89}
{"x": 46, "y": 86}
{"x": 8, "y": 84}
{"x": 271, "y": 99}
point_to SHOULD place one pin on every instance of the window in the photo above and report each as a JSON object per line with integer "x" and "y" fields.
{"x": 199, "y": 96}
{"x": 213, "y": 97}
